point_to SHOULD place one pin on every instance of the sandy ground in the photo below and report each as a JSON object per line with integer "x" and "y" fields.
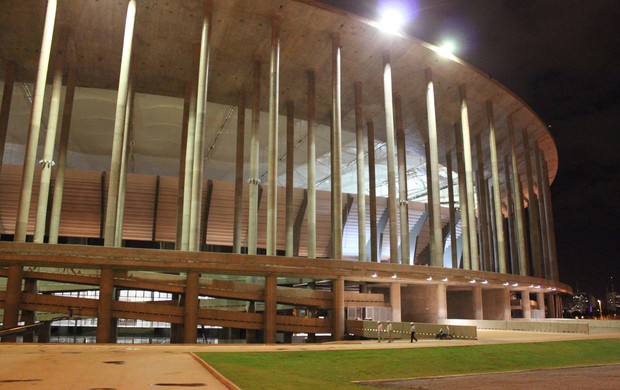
{"x": 118, "y": 366}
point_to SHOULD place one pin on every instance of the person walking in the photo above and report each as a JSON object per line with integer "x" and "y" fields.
{"x": 412, "y": 330}
{"x": 389, "y": 330}
{"x": 379, "y": 331}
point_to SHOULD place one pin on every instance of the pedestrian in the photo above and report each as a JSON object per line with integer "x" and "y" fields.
{"x": 389, "y": 330}
{"x": 379, "y": 331}
{"x": 412, "y": 330}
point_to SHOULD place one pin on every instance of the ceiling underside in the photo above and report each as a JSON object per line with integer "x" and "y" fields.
{"x": 166, "y": 37}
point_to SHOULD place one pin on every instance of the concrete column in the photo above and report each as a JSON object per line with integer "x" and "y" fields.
{"x": 514, "y": 256}
{"x": 477, "y": 303}
{"x": 540, "y": 299}
{"x": 63, "y": 145}
{"x": 47, "y": 162}
{"x": 269, "y": 316}
{"x": 403, "y": 204}
{"x": 338, "y": 291}
{"x": 12, "y": 300}
{"x": 272, "y": 164}
{"x": 497, "y": 196}
{"x": 391, "y": 166}
{"x": 463, "y": 198}
{"x": 189, "y": 168}
{"x": 5, "y": 109}
{"x": 311, "y": 156}
{"x": 550, "y": 223}
{"x": 542, "y": 219}
{"x": 485, "y": 247}
{"x": 336, "y": 149}
{"x": 395, "y": 302}
{"x": 104, "y": 306}
{"x": 453, "y": 240}
{"x": 119, "y": 125}
{"x": 239, "y": 174}
{"x": 436, "y": 236}
{"x": 372, "y": 193}
{"x": 469, "y": 185}
{"x": 254, "y": 181}
{"x": 525, "y": 304}
{"x": 250, "y": 334}
{"x": 290, "y": 162}
{"x": 361, "y": 177}
{"x": 122, "y": 183}
{"x": 25, "y": 195}
{"x": 442, "y": 302}
{"x": 518, "y": 202}
{"x": 534, "y": 227}
{"x": 552, "y": 309}
{"x": 190, "y": 308}
{"x": 181, "y": 180}
{"x": 199, "y": 136}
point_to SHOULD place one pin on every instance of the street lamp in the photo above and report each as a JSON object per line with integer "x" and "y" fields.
{"x": 600, "y": 310}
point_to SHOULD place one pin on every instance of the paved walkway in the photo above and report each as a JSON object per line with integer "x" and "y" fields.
{"x": 119, "y": 366}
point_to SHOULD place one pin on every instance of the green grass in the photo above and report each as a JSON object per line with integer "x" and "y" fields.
{"x": 336, "y": 369}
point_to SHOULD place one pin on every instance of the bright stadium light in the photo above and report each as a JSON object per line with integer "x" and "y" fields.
{"x": 392, "y": 20}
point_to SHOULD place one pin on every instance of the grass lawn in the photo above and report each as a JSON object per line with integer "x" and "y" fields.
{"x": 336, "y": 369}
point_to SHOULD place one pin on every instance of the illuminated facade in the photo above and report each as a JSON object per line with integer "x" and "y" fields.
{"x": 298, "y": 158}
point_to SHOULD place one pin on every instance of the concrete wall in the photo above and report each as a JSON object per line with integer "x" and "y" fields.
{"x": 496, "y": 303}
{"x": 460, "y": 304}
{"x": 422, "y": 303}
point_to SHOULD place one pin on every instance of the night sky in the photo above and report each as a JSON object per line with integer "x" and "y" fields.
{"x": 562, "y": 57}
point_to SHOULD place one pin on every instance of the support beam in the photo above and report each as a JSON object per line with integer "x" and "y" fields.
{"x": 190, "y": 308}
{"x": 485, "y": 245}
{"x": 518, "y": 202}
{"x": 182, "y": 167}
{"x": 477, "y": 303}
{"x": 436, "y": 239}
{"x": 119, "y": 125}
{"x": 453, "y": 239}
{"x": 105, "y": 329}
{"x": 254, "y": 181}
{"x": 361, "y": 177}
{"x": 463, "y": 203}
{"x": 122, "y": 185}
{"x": 298, "y": 222}
{"x": 395, "y": 302}
{"x": 200, "y": 129}
{"x": 550, "y": 223}
{"x": 372, "y": 193}
{"x": 238, "y": 213}
{"x": 391, "y": 165}
{"x": 338, "y": 313}
{"x": 5, "y": 109}
{"x": 403, "y": 203}
{"x": 469, "y": 185}
{"x": 497, "y": 196}
{"x": 63, "y": 146}
{"x": 12, "y": 300}
{"x": 336, "y": 184}
{"x": 25, "y": 195}
{"x": 525, "y": 305}
{"x": 311, "y": 156}
{"x": 544, "y": 224}
{"x": 204, "y": 226}
{"x": 514, "y": 251}
{"x": 272, "y": 163}
{"x": 290, "y": 163}
{"x": 269, "y": 316}
{"x": 532, "y": 206}
{"x": 102, "y": 204}
{"x": 189, "y": 163}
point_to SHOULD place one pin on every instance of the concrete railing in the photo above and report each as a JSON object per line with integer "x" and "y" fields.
{"x": 400, "y": 330}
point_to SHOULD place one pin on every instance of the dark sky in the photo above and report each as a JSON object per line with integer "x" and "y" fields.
{"x": 562, "y": 57}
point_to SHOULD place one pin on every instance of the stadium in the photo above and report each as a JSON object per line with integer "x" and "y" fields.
{"x": 261, "y": 171}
